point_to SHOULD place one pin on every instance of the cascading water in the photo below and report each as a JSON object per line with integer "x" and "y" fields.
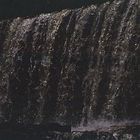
{"x": 72, "y": 66}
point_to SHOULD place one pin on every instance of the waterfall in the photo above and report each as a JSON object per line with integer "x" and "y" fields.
{"x": 71, "y": 66}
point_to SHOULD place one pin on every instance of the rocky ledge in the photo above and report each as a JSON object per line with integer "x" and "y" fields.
{"x": 127, "y": 132}
{"x": 57, "y": 132}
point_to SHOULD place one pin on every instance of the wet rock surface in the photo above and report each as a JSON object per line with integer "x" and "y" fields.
{"x": 73, "y": 66}
{"x": 131, "y": 132}
{"x": 58, "y": 132}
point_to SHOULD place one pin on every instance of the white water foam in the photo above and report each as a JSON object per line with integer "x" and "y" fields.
{"x": 104, "y": 125}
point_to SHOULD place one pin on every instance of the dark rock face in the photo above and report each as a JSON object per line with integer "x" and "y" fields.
{"x": 72, "y": 66}
{"x": 50, "y": 131}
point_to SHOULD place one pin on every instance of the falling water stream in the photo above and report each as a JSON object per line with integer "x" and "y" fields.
{"x": 72, "y": 67}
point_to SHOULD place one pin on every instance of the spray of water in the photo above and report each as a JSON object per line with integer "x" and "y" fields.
{"x": 104, "y": 125}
